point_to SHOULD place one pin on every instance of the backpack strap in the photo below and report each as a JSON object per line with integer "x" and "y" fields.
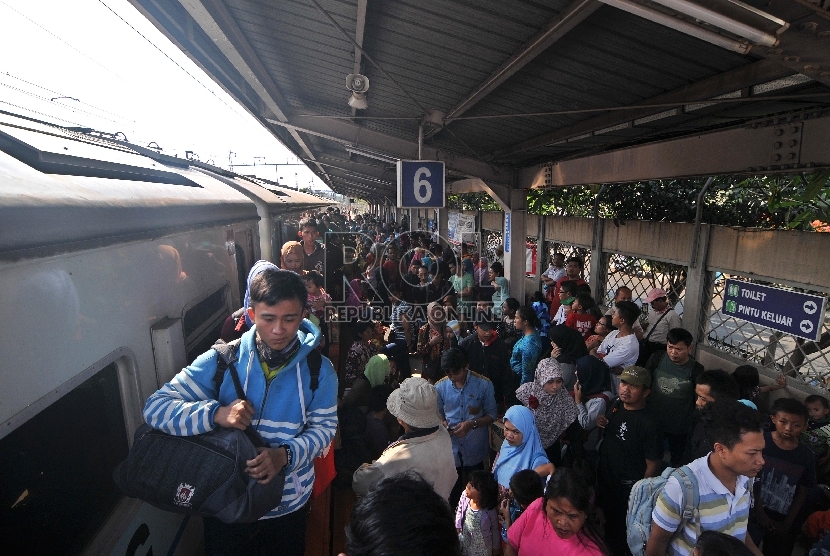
{"x": 603, "y": 396}
{"x": 226, "y": 352}
{"x": 226, "y": 358}
{"x": 315, "y": 363}
{"x": 691, "y": 498}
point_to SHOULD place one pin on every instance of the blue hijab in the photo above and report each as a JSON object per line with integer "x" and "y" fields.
{"x": 258, "y": 268}
{"x": 513, "y": 459}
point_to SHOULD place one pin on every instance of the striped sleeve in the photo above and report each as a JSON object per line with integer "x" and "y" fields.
{"x": 185, "y": 406}
{"x": 667, "y": 511}
{"x": 322, "y": 421}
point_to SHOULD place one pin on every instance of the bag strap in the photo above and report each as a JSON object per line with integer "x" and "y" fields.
{"x": 666, "y": 312}
{"x": 315, "y": 363}
{"x": 226, "y": 356}
{"x": 226, "y": 352}
{"x": 691, "y": 498}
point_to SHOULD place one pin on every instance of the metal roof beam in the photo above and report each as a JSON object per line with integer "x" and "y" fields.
{"x": 218, "y": 24}
{"x": 746, "y": 76}
{"x": 795, "y": 144}
{"x": 360, "y": 26}
{"x": 576, "y": 12}
{"x": 351, "y": 134}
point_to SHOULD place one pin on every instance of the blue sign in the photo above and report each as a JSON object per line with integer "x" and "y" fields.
{"x": 507, "y": 232}
{"x": 420, "y": 184}
{"x": 799, "y": 314}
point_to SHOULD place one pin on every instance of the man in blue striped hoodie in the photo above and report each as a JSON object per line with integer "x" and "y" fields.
{"x": 297, "y": 422}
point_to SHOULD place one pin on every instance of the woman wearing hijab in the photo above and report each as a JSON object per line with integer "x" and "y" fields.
{"x": 239, "y": 322}
{"x": 592, "y": 394}
{"x": 378, "y": 369}
{"x": 522, "y": 449}
{"x": 552, "y": 406}
{"x": 292, "y": 256}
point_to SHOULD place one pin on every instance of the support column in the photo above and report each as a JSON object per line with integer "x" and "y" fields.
{"x": 443, "y": 225}
{"x": 698, "y": 288}
{"x": 541, "y": 254}
{"x": 599, "y": 263}
{"x": 515, "y": 244}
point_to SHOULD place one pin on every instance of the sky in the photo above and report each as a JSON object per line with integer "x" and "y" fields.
{"x": 120, "y": 74}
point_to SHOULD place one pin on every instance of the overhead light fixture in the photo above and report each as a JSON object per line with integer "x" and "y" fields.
{"x": 358, "y": 85}
{"x": 753, "y": 35}
{"x": 680, "y": 25}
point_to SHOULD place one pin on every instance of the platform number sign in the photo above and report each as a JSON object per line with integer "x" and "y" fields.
{"x": 421, "y": 184}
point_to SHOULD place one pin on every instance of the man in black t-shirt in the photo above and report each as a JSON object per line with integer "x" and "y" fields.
{"x": 632, "y": 449}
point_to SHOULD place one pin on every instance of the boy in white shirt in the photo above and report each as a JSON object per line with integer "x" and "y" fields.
{"x": 620, "y": 348}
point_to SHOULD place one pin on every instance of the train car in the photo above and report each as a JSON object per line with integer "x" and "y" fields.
{"x": 279, "y": 209}
{"x": 117, "y": 267}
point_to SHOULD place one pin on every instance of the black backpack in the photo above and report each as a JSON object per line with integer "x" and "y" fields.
{"x": 204, "y": 474}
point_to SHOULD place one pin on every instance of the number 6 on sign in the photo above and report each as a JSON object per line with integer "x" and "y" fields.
{"x": 418, "y": 182}
{"x": 421, "y": 184}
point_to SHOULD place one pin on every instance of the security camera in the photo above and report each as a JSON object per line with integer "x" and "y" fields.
{"x": 357, "y": 83}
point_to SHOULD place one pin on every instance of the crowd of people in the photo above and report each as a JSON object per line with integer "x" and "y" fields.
{"x": 588, "y": 404}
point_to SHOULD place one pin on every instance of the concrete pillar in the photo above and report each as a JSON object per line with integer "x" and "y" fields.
{"x": 698, "y": 288}
{"x": 442, "y": 226}
{"x": 541, "y": 254}
{"x": 599, "y": 263}
{"x": 515, "y": 244}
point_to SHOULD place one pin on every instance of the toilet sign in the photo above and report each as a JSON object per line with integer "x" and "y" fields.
{"x": 799, "y": 314}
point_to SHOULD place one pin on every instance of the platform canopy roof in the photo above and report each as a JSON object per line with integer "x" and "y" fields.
{"x": 522, "y": 93}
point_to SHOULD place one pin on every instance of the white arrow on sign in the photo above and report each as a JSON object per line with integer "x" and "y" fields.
{"x": 810, "y": 307}
{"x": 806, "y": 326}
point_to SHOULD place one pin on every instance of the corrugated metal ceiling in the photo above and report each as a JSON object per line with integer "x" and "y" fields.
{"x": 439, "y": 51}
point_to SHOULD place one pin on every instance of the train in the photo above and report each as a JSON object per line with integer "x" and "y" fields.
{"x": 118, "y": 266}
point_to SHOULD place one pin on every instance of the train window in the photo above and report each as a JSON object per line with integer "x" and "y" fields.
{"x": 199, "y": 314}
{"x": 202, "y": 323}
{"x": 56, "y": 470}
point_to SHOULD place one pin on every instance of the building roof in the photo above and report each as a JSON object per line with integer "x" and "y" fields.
{"x": 511, "y": 92}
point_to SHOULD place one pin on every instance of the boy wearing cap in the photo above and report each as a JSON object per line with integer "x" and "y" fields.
{"x": 424, "y": 448}
{"x": 631, "y": 449}
{"x": 661, "y": 319}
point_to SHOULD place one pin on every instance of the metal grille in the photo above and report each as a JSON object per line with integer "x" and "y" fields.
{"x": 569, "y": 251}
{"x": 490, "y": 239}
{"x": 642, "y": 276}
{"x": 761, "y": 346}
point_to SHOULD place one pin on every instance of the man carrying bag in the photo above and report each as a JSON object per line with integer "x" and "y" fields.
{"x": 296, "y": 418}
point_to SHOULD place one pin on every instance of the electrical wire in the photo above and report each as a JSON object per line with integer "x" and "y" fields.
{"x": 62, "y": 94}
{"x": 33, "y": 22}
{"x": 52, "y": 103}
{"x": 41, "y": 113}
{"x": 208, "y": 89}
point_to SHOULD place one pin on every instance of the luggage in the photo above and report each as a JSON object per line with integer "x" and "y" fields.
{"x": 643, "y": 498}
{"x": 202, "y": 474}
